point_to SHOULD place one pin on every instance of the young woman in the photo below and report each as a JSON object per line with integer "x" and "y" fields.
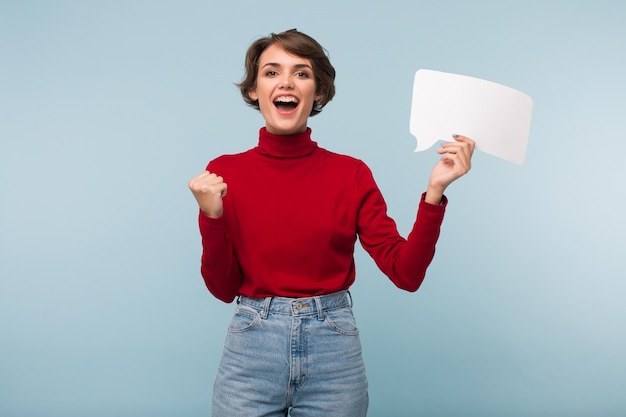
{"x": 279, "y": 223}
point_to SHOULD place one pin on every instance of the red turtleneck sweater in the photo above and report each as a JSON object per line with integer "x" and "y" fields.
{"x": 291, "y": 218}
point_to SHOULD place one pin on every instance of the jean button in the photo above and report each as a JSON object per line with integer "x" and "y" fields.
{"x": 299, "y": 306}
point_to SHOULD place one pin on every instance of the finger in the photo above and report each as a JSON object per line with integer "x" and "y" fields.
{"x": 451, "y": 147}
{"x": 210, "y": 178}
{"x": 465, "y": 139}
{"x": 460, "y": 140}
{"x": 460, "y": 159}
{"x": 208, "y": 183}
{"x": 221, "y": 189}
{"x": 464, "y": 146}
{"x": 199, "y": 177}
{"x": 213, "y": 188}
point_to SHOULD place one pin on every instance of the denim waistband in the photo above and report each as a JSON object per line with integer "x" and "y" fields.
{"x": 298, "y": 306}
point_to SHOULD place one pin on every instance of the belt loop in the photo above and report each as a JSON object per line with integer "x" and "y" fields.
{"x": 320, "y": 308}
{"x": 266, "y": 307}
{"x": 350, "y": 297}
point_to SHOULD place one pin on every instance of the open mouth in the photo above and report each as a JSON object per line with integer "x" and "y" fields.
{"x": 286, "y": 103}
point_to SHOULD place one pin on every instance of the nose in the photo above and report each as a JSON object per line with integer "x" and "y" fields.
{"x": 286, "y": 82}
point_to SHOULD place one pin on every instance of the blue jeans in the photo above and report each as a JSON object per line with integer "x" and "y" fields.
{"x": 299, "y": 356}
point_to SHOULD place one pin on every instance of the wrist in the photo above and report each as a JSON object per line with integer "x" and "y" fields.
{"x": 434, "y": 195}
{"x": 214, "y": 214}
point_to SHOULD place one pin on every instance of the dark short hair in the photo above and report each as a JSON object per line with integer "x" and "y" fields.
{"x": 295, "y": 43}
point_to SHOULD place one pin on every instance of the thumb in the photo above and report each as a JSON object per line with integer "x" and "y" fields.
{"x": 215, "y": 206}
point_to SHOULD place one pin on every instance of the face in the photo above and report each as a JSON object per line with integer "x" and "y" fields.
{"x": 285, "y": 89}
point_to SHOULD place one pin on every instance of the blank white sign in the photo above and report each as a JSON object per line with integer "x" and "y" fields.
{"x": 497, "y": 117}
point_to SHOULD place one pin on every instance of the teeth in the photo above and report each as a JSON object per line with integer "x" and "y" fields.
{"x": 286, "y": 99}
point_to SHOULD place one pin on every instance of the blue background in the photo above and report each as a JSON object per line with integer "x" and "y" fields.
{"x": 107, "y": 109}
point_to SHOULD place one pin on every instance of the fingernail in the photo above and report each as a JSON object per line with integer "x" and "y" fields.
{"x": 455, "y": 136}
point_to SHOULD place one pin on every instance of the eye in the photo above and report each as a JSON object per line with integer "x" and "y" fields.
{"x": 270, "y": 73}
{"x": 302, "y": 74}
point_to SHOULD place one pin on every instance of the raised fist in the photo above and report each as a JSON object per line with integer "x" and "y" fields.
{"x": 209, "y": 189}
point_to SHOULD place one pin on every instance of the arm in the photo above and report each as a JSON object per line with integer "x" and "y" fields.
{"x": 219, "y": 266}
{"x": 405, "y": 261}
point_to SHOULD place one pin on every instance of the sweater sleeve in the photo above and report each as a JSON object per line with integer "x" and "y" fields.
{"x": 404, "y": 261}
{"x": 219, "y": 266}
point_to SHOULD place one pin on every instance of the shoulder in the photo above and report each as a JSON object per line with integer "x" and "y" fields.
{"x": 343, "y": 160}
{"x": 348, "y": 170}
{"x": 229, "y": 160}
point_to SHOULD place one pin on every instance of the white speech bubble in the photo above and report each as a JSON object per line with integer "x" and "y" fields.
{"x": 497, "y": 117}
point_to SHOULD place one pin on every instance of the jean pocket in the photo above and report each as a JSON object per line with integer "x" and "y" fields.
{"x": 342, "y": 321}
{"x": 244, "y": 319}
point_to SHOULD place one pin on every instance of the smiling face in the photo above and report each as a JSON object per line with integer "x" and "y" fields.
{"x": 285, "y": 90}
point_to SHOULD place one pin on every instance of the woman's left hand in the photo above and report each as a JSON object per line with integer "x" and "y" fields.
{"x": 456, "y": 162}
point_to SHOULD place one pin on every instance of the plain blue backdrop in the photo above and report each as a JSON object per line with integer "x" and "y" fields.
{"x": 107, "y": 109}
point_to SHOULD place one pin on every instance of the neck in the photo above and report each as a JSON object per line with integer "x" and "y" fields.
{"x": 286, "y": 146}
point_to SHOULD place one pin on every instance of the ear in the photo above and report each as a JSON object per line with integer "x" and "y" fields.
{"x": 253, "y": 95}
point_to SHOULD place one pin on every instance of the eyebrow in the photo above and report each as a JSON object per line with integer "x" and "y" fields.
{"x": 275, "y": 64}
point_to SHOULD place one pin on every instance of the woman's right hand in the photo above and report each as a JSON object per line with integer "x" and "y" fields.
{"x": 208, "y": 189}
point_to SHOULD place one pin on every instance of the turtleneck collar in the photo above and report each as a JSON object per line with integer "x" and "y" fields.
{"x": 286, "y": 146}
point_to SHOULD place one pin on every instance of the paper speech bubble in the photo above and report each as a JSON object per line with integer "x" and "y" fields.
{"x": 497, "y": 117}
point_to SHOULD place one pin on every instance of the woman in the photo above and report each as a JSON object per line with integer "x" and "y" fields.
{"x": 279, "y": 223}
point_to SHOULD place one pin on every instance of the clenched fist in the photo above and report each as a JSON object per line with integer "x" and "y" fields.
{"x": 208, "y": 189}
